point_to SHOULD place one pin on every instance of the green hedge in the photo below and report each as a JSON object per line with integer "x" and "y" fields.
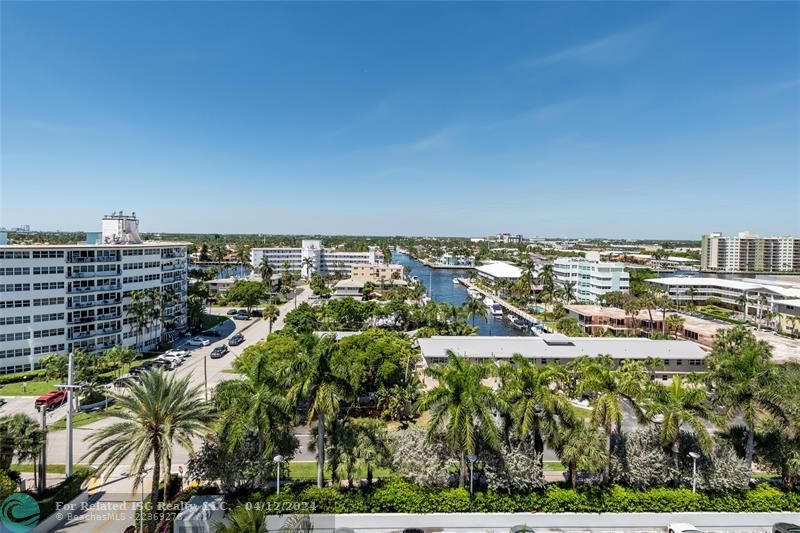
{"x": 63, "y": 492}
{"x": 400, "y": 496}
{"x": 21, "y": 376}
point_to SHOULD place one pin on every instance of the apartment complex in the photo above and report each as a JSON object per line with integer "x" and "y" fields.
{"x": 591, "y": 276}
{"x": 679, "y": 357}
{"x": 749, "y": 253}
{"x": 376, "y": 273}
{"x": 61, "y": 298}
{"x": 313, "y": 258}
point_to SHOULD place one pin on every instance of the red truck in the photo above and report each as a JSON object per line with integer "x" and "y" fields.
{"x": 51, "y": 400}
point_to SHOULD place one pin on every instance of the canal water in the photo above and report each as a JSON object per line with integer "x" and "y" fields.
{"x": 442, "y": 289}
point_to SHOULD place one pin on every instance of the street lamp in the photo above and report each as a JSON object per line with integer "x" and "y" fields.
{"x": 278, "y": 460}
{"x": 695, "y": 456}
{"x": 471, "y": 458}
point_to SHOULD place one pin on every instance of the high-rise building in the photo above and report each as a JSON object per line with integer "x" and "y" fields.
{"x": 61, "y": 298}
{"x": 592, "y": 277}
{"x": 313, "y": 258}
{"x": 749, "y": 253}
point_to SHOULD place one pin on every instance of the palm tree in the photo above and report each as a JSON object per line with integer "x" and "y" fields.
{"x": 271, "y": 313}
{"x": 308, "y": 266}
{"x": 632, "y": 306}
{"x": 692, "y": 292}
{"x": 581, "y": 447}
{"x": 243, "y": 256}
{"x": 266, "y": 271}
{"x": 474, "y": 308}
{"x": 156, "y": 414}
{"x": 316, "y": 378}
{"x": 674, "y": 324}
{"x": 568, "y": 292}
{"x": 609, "y": 387}
{"x": 741, "y": 301}
{"x": 138, "y": 311}
{"x": 254, "y": 407}
{"x": 244, "y": 519}
{"x": 680, "y": 405}
{"x": 535, "y": 405}
{"x": 371, "y": 449}
{"x": 461, "y": 405}
{"x": 747, "y": 383}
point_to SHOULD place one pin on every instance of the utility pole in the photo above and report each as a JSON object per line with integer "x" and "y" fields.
{"x": 205, "y": 374}
{"x": 43, "y": 462}
{"x": 70, "y": 369}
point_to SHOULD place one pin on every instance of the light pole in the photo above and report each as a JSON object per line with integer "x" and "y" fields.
{"x": 141, "y": 500}
{"x": 278, "y": 460}
{"x": 695, "y": 456}
{"x": 69, "y": 387}
{"x": 205, "y": 374}
{"x": 471, "y": 458}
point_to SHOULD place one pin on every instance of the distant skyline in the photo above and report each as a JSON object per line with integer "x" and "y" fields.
{"x": 618, "y": 120}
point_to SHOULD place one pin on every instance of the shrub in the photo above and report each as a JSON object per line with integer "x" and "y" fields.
{"x": 513, "y": 468}
{"x": 420, "y": 460}
{"x": 63, "y": 492}
{"x": 22, "y": 376}
{"x": 7, "y": 485}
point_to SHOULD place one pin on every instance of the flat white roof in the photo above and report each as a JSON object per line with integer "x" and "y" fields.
{"x": 144, "y": 244}
{"x": 500, "y": 269}
{"x": 694, "y": 281}
{"x": 559, "y": 346}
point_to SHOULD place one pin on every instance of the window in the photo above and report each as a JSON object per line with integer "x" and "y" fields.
{"x": 47, "y": 254}
{"x": 48, "y": 270}
{"x": 12, "y": 320}
{"x": 15, "y": 255}
{"x": 48, "y": 317}
{"x": 38, "y": 302}
{"x": 19, "y": 336}
{"x": 15, "y": 287}
{"x": 15, "y": 271}
{"x": 48, "y": 333}
{"x": 48, "y": 286}
{"x": 12, "y": 304}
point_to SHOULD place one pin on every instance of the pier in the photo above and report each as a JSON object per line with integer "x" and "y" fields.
{"x": 507, "y": 306}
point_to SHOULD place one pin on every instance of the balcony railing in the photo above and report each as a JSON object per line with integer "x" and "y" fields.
{"x": 94, "y": 288}
{"x": 107, "y": 259}
{"x": 79, "y": 274}
{"x": 81, "y": 320}
{"x": 79, "y": 259}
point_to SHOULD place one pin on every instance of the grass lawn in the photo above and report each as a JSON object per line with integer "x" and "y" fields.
{"x": 51, "y": 469}
{"x": 28, "y": 388}
{"x": 553, "y": 466}
{"x": 209, "y": 321}
{"x": 308, "y": 470}
{"x": 581, "y": 412}
{"x": 81, "y": 419}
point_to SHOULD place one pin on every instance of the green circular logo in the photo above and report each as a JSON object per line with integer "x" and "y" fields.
{"x": 19, "y": 512}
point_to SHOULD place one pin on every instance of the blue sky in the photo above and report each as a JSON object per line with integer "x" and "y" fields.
{"x": 640, "y": 120}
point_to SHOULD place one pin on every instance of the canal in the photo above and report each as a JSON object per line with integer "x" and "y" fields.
{"x": 439, "y": 284}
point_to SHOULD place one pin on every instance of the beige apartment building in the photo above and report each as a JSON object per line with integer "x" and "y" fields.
{"x": 376, "y": 273}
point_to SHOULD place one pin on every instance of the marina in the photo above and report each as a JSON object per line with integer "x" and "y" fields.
{"x": 447, "y": 285}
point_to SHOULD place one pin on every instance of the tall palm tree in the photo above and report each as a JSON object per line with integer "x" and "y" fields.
{"x": 535, "y": 404}
{"x": 461, "y": 405}
{"x": 254, "y": 406}
{"x": 474, "y": 308}
{"x": 266, "y": 271}
{"x": 243, "y": 256}
{"x": 161, "y": 411}
{"x": 581, "y": 447}
{"x": 316, "y": 377}
{"x": 139, "y": 312}
{"x": 609, "y": 387}
{"x": 680, "y": 405}
{"x": 748, "y": 384}
{"x": 692, "y": 292}
{"x": 568, "y": 292}
{"x": 308, "y": 266}
{"x": 741, "y": 301}
{"x": 271, "y": 313}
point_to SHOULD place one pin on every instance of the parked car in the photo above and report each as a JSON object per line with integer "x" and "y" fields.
{"x": 683, "y": 527}
{"x": 165, "y": 364}
{"x": 211, "y": 333}
{"x": 241, "y": 317}
{"x": 236, "y": 340}
{"x": 256, "y": 312}
{"x": 50, "y": 401}
{"x": 183, "y": 354}
{"x": 785, "y": 527}
{"x": 174, "y": 360}
{"x": 219, "y": 351}
{"x": 233, "y": 311}
{"x": 198, "y": 341}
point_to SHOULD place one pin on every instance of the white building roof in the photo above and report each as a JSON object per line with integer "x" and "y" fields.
{"x": 735, "y": 284}
{"x": 559, "y": 346}
{"x": 500, "y": 269}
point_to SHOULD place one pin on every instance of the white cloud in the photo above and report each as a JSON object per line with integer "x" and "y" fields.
{"x": 612, "y": 49}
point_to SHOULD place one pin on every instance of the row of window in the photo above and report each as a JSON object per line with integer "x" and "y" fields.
{"x": 24, "y": 352}
{"x": 15, "y": 287}
{"x": 141, "y": 279}
{"x": 13, "y": 320}
{"x": 15, "y": 271}
{"x": 147, "y": 251}
{"x": 48, "y": 270}
{"x": 48, "y": 285}
{"x": 17, "y": 352}
{"x": 48, "y": 254}
{"x": 15, "y": 255}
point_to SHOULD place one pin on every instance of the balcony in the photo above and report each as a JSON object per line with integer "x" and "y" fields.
{"x": 86, "y": 275}
{"x": 94, "y": 288}
{"x": 83, "y": 304}
{"x": 95, "y": 332}
{"x": 114, "y": 316}
{"x": 107, "y": 259}
{"x": 81, "y": 320}
{"x": 168, "y": 266}
{"x": 79, "y": 259}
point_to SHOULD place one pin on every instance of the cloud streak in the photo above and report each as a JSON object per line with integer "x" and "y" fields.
{"x": 612, "y": 49}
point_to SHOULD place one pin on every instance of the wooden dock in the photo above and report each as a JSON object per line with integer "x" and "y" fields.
{"x": 507, "y": 306}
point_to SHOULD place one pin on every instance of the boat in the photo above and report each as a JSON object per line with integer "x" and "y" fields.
{"x": 519, "y": 323}
{"x": 414, "y": 279}
{"x": 496, "y": 310}
{"x": 472, "y": 293}
{"x": 488, "y": 302}
{"x": 456, "y": 281}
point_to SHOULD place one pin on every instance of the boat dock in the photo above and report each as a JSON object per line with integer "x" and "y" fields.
{"x": 508, "y": 307}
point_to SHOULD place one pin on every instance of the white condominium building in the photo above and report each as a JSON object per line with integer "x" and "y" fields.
{"x": 61, "y": 298}
{"x": 749, "y": 253}
{"x": 592, "y": 277}
{"x": 313, "y": 258}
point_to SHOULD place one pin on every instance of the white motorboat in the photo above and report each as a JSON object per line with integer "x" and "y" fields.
{"x": 496, "y": 309}
{"x": 472, "y": 293}
{"x": 456, "y": 281}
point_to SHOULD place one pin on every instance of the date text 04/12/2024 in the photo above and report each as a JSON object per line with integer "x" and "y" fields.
{"x": 282, "y": 507}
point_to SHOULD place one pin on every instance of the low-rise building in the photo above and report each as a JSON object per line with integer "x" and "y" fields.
{"x": 376, "y": 273}
{"x": 498, "y": 270}
{"x": 679, "y": 357}
{"x": 312, "y": 258}
{"x": 592, "y": 278}
{"x": 457, "y": 260}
